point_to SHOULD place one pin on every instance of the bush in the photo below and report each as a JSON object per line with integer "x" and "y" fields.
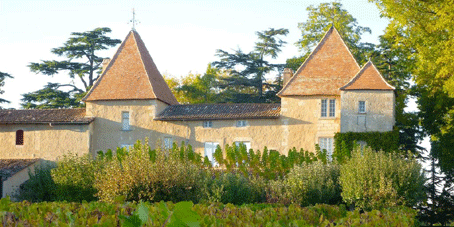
{"x": 40, "y": 187}
{"x": 151, "y": 175}
{"x": 234, "y": 188}
{"x": 376, "y": 180}
{"x": 308, "y": 184}
{"x": 75, "y": 177}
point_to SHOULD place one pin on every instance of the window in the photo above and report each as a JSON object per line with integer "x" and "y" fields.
{"x": 208, "y": 124}
{"x": 327, "y": 143}
{"x": 241, "y": 123}
{"x": 246, "y": 143}
{"x": 362, "y": 106}
{"x": 20, "y": 137}
{"x": 125, "y": 121}
{"x": 168, "y": 143}
{"x": 331, "y": 109}
{"x": 324, "y": 107}
{"x": 210, "y": 148}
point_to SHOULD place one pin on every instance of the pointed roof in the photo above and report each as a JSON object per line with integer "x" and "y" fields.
{"x": 368, "y": 78}
{"x": 330, "y": 66}
{"x": 131, "y": 75}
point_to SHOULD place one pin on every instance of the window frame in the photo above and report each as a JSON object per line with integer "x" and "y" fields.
{"x": 208, "y": 124}
{"x": 20, "y": 137}
{"x": 328, "y": 108}
{"x": 242, "y": 124}
{"x": 123, "y": 119}
{"x": 166, "y": 144}
{"x": 213, "y": 146}
{"x": 327, "y": 143}
{"x": 360, "y": 110}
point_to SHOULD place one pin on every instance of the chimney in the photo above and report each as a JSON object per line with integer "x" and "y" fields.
{"x": 105, "y": 63}
{"x": 288, "y": 73}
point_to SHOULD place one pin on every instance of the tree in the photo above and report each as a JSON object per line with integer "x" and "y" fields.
{"x": 428, "y": 33}
{"x": 248, "y": 70}
{"x": 320, "y": 19}
{"x": 82, "y": 63}
{"x": 3, "y": 76}
{"x": 196, "y": 88}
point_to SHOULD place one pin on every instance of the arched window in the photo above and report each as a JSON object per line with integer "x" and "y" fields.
{"x": 20, "y": 137}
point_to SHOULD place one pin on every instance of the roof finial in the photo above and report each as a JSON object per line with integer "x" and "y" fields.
{"x": 134, "y": 21}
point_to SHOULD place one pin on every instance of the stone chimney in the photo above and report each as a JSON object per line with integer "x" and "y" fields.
{"x": 105, "y": 63}
{"x": 288, "y": 73}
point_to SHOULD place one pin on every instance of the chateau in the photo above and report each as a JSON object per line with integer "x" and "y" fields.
{"x": 131, "y": 101}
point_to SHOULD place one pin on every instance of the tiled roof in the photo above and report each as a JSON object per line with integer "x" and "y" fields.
{"x": 9, "y": 167}
{"x": 131, "y": 75}
{"x": 328, "y": 67}
{"x": 368, "y": 78}
{"x": 35, "y": 116}
{"x": 223, "y": 111}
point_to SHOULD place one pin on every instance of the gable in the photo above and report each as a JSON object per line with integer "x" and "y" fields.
{"x": 330, "y": 66}
{"x": 131, "y": 75}
{"x": 368, "y": 78}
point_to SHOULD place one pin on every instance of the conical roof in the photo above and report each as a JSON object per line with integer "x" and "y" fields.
{"x": 131, "y": 75}
{"x": 368, "y": 78}
{"x": 330, "y": 66}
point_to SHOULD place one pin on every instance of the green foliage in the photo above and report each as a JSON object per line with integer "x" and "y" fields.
{"x": 3, "y": 76}
{"x": 83, "y": 63}
{"x": 344, "y": 142}
{"x": 186, "y": 214}
{"x": 138, "y": 176}
{"x": 321, "y": 18}
{"x": 75, "y": 177}
{"x": 248, "y": 84}
{"x": 267, "y": 164}
{"x": 308, "y": 184}
{"x": 40, "y": 187}
{"x": 376, "y": 180}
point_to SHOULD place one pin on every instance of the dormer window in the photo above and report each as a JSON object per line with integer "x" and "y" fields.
{"x": 20, "y": 137}
{"x": 125, "y": 121}
{"x": 362, "y": 107}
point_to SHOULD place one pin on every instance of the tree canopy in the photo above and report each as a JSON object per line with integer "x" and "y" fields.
{"x": 247, "y": 82}
{"x": 320, "y": 19}
{"x": 82, "y": 64}
{"x": 3, "y": 76}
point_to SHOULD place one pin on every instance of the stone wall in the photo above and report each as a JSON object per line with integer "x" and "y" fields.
{"x": 44, "y": 141}
{"x": 379, "y": 114}
{"x": 302, "y": 124}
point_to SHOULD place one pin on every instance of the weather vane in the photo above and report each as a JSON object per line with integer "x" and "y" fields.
{"x": 134, "y": 21}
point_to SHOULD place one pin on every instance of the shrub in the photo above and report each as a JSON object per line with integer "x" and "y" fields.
{"x": 40, "y": 187}
{"x": 375, "y": 180}
{"x": 234, "y": 188}
{"x": 308, "y": 184}
{"x": 145, "y": 174}
{"x": 75, "y": 177}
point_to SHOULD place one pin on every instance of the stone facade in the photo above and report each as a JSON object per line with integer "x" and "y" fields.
{"x": 319, "y": 100}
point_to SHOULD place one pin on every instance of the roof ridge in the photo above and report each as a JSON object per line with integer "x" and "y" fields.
{"x": 143, "y": 64}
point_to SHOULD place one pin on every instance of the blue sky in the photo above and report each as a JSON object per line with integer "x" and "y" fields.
{"x": 181, "y": 35}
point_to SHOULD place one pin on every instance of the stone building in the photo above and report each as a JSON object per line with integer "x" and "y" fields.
{"x": 131, "y": 101}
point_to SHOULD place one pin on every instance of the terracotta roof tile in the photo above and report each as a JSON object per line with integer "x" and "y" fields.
{"x": 35, "y": 116}
{"x": 368, "y": 78}
{"x": 328, "y": 67}
{"x": 131, "y": 75}
{"x": 9, "y": 167}
{"x": 223, "y": 111}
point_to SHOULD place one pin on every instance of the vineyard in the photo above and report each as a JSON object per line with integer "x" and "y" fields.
{"x": 186, "y": 214}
